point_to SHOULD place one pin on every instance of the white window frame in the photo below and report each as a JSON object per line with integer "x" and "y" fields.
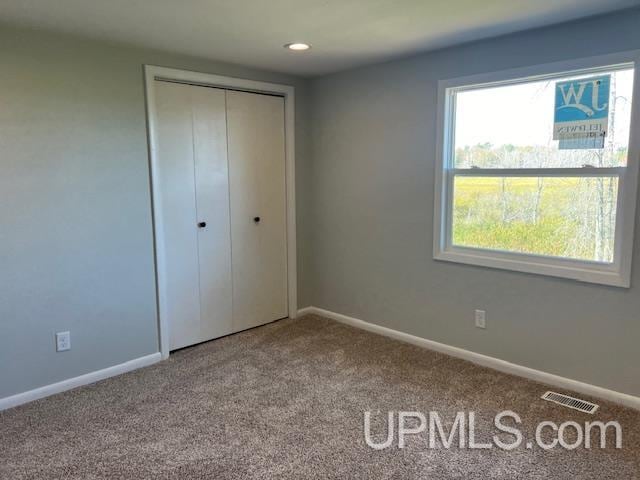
{"x": 617, "y": 273}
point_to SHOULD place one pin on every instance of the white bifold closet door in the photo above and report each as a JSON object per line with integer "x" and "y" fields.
{"x": 192, "y": 154}
{"x": 222, "y": 206}
{"x": 258, "y": 207}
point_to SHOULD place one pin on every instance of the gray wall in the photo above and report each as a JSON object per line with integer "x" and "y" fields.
{"x": 75, "y": 214}
{"x": 372, "y": 203}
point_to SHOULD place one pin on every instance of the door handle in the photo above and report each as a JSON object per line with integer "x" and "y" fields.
{"x": 202, "y": 224}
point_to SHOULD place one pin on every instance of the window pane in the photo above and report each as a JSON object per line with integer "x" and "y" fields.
{"x": 512, "y": 126}
{"x": 560, "y": 217}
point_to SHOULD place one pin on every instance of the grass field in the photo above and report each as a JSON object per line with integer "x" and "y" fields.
{"x": 563, "y": 217}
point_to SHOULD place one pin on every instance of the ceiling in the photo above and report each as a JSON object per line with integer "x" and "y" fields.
{"x": 344, "y": 33}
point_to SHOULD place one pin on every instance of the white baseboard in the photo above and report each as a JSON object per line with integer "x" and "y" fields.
{"x": 86, "y": 379}
{"x": 310, "y": 311}
{"x": 484, "y": 360}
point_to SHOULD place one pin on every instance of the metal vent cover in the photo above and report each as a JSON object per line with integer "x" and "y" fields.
{"x": 571, "y": 402}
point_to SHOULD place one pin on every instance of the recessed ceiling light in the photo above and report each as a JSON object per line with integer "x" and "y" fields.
{"x": 298, "y": 47}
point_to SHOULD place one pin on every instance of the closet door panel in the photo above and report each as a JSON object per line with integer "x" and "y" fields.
{"x": 256, "y": 152}
{"x": 212, "y": 205}
{"x": 175, "y": 174}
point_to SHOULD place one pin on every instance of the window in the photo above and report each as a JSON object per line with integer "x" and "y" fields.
{"x": 537, "y": 170}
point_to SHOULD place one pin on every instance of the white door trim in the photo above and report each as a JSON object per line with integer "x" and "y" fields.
{"x": 205, "y": 79}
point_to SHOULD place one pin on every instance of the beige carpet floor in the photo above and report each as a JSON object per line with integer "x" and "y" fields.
{"x": 286, "y": 401}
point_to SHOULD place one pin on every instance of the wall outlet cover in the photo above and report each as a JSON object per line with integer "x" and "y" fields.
{"x": 63, "y": 341}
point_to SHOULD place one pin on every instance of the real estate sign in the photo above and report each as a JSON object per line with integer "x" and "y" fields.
{"x": 581, "y": 116}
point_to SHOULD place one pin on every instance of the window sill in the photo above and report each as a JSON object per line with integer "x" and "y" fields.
{"x": 589, "y": 272}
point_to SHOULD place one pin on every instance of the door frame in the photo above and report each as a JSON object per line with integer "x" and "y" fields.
{"x": 152, "y": 73}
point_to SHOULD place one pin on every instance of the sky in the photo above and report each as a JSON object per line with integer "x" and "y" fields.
{"x": 523, "y": 114}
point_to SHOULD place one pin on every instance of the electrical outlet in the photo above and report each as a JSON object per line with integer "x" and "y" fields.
{"x": 481, "y": 317}
{"x": 63, "y": 341}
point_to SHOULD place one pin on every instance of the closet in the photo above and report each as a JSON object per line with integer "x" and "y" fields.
{"x": 220, "y": 196}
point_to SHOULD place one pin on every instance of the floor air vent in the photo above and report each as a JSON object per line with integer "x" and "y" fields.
{"x": 567, "y": 401}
